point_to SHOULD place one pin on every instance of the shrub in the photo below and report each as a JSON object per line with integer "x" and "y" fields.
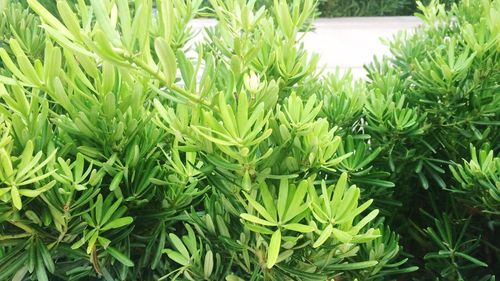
{"x": 123, "y": 158}
{"x": 136, "y": 155}
{"x": 357, "y": 8}
{"x": 435, "y": 98}
{"x": 19, "y": 23}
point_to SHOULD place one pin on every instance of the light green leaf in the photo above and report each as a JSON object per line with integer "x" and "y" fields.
{"x": 16, "y": 198}
{"x": 110, "y": 211}
{"x": 179, "y": 245}
{"x": 260, "y": 209}
{"x": 49, "y": 18}
{"x": 368, "y": 218}
{"x": 274, "y": 249}
{"x": 342, "y": 236}
{"x": 118, "y": 223}
{"x": 352, "y": 265}
{"x": 104, "y": 242}
{"x": 299, "y": 227}
{"x": 119, "y": 256}
{"x": 325, "y": 234}
{"x": 116, "y": 181}
{"x": 297, "y": 200}
{"x": 69, "y": 18}
{"x": 167, "y": 59}
{"x": 102, "y": 17}
{"x": 268, "y": 199}
{"x": 257, "y": 220}
{"x": 178, "y": 258}
{"x": 282, "y": 198}
{"x": 208, "y": 264}
{"x": 34, "y": 193}
{"x": 259, "y": 229}
{"x": 91, "y": 242}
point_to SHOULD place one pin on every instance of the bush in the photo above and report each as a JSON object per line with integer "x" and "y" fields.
{"x": 19, "y": 23}
{"x": 135, "y": 155}
{"x": 359, "y": 8}
{"x": 435, "y": 99}
{"x": 123, "y": 158}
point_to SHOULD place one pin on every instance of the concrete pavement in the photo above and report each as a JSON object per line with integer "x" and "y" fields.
{"x": 352, "y": 42}
{"x": 347, "y": 43}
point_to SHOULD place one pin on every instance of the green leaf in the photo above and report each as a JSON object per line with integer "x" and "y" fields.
{"x": 69, "y": 18}
{"x": 274, "y": 249}
{"x": 78, "y": 243}
{"x": 282, "y": 198}
{"x": 7, "y": 61}
{"x": 91, "y": 241}
{"x": 471, "y": 259}
{"x": 254, "y": 219}
{"x": 104, "y": 22}
{"x": 36, "y": 192}
{"x": 110, "y": 211}
{"x": 26, "y": 158}
{"x": 103, "y": 241}
{"x": 259, "y": 229}
{"x": 118, "y": 223}
{"x": 116, "y": 181}
{"x": 352, "y": 265}
{"x": 167, "y": 59}
{"x": 339, "y": 190}
{"x": 7, "y": 168}
{"x": 325, "y": 234}
{"x": 46, "y": 257}
{"x": 65, "y": 168}
{"x": 49, "y": 18}
{"x": 242, "y": 115}
{"x": 297, "y": 200}
{"x": 4, "y": 190}
{"x": 299, "y": 227}
{"x": 342, "y": 236}
{"x": 98, "y": 209}
{"x": 368, "y": 218}
{"x": 268, "y": 199}
{"x": 119, "y": 256}
{"x": 65, "y": 42}
{"x": 179, "y": 245}
{"x": 178, "y": 258}
{"x": 260, "y": 209}
{"x": 105, "y": 50}
{"x": 16, "y": 198}
{"x": 208, "y": 264}
{"x": 41, "y": 273}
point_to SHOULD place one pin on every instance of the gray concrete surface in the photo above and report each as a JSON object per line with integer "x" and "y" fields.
{"x": 347, "y": 43}
{"x": 352, "y": 42}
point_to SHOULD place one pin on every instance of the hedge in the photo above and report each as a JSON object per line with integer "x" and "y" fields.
{"x": 133, "y": 155}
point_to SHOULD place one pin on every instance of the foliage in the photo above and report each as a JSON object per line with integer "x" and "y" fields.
{"x": 124, "y": 158}
{"x": 357, "y": 8}
{"x": 478, "y": 181}
{"x": 433, "y": 99}
{"x": 133, "y": 155}
{"x": 19, "y": 23}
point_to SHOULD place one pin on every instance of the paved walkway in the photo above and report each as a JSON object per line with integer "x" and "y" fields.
{"x": 348, "y": 42}
{"x": 352, "y": 42}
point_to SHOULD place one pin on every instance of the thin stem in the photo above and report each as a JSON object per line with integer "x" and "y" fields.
{"x": 14, "y": 236}
{"x": 173, "y": 86}
{"x": 22, "y": 226}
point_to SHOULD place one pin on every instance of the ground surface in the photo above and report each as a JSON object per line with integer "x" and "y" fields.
{"x": 347, "y": 43}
